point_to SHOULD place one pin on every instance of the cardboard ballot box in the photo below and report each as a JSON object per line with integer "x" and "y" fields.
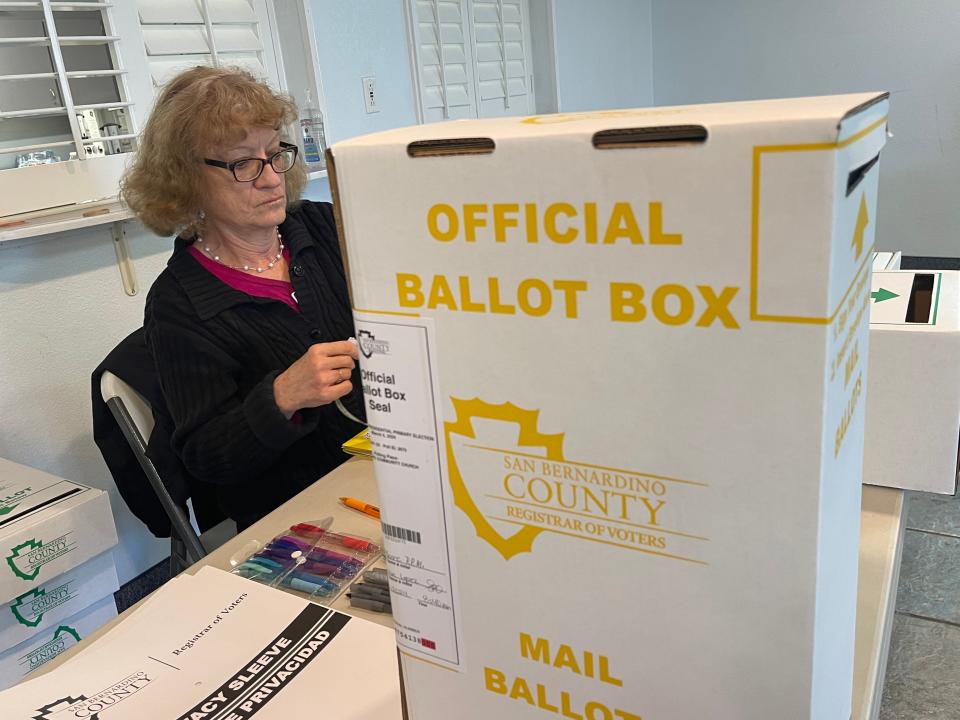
{"x": 21, "y": 660}
{"x": 67, "y": 594}
{"x": 913, "y": 403}
{"x": 614, "y": 365}
{"x": 48, "y": 526}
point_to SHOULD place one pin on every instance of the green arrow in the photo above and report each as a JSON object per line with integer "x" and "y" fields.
{"x": 7, "y": 508}
{"x": 882, "y": 294}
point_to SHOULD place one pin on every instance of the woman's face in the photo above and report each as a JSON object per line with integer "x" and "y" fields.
{"x": 246, "y": 205}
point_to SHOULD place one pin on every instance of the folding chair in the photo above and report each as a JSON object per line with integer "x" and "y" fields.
{"x": 135, "y": 418}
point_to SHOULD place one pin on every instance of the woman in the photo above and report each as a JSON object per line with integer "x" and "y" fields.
{"x": 250, "y": 324}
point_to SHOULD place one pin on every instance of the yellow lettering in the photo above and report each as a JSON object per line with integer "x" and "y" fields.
{"x": 657, "y": 236}
{"x": 597, "y": 711}
{"x": 550, "y": 223}
{"x": 473, "y": 219}
{"x": 605, "y": 675}
{"x": 590, "y": 223}
{"x": 718, "y": 307}
{"x": 495, "y": 681}
{"x": 566, "y": 659}
{"x": 493, "y": 289}
{"x": 466, "y": 304}
{"x": 521, "y": 690}
{"x": 570, "y": 288}
{"x": 526, "y": 288}
{"x": 659, "y": 304}
{"x": 539, "y": 650}
{"x": 440, "y": 294}
{"x": 453, "y": 225}
{"x": 506, "y": 486}
{"x": 653, "y": 510}
{"x": 626, "y": 302}
{"x": 622, "y": 224}
{"x": 530, "y": 213}
{"x": 501, "y": 221}
{"x": 542, "y": 700}
{"x": 409, "y": 291}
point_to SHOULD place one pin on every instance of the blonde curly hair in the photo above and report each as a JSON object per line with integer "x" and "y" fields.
{"x": 199, "y": 110}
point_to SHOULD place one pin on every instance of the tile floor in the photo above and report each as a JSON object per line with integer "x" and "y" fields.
{"x": 923, "y": 670}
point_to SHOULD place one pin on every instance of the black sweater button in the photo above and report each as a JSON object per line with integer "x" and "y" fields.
{"x": 297, "y": 270}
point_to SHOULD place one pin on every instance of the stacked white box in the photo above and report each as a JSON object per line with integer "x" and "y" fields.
{"x": 913, "y": 402}
{"x": 18, "y": 662}
{"x": 55, "y": 540}
{"x": 629, "y": 348}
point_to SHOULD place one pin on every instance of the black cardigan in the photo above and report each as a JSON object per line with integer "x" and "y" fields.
{"x": 217, "y": 352}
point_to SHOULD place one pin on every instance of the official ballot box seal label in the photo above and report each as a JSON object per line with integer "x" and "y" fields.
{"x": 614, "y": 367}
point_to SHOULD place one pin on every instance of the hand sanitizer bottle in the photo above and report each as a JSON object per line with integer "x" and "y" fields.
{"x": 314, "y": 142}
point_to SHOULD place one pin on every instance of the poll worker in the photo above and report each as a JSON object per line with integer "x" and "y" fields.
{"x": 250, "y": 324}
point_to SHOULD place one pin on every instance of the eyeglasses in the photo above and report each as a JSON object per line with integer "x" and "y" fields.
{"x": 249, "y": 169}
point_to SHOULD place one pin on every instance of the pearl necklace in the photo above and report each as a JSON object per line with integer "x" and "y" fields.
{"x": 247, "y": 268}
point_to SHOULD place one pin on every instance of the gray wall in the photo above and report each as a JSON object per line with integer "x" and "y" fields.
{"x": 357, "y": 39}
{"x": 62, "y": 309}
{"x": 706, "y": 51}
{"x": 604, "y": 54}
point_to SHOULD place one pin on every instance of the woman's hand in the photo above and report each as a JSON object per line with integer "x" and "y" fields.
{"x": 320, "y": 376}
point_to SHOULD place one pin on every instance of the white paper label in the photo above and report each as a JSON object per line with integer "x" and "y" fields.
{"x": 400, "y": 389}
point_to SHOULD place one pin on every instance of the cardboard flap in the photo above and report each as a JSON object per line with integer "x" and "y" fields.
{"x": 821, "y": 118}
{"x": 862, "y": 133}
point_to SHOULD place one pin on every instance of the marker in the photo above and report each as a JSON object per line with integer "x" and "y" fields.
{"x": 367, "y": 508}
{"x": 371, "y": 592}
{"x": 366, "y": 604}
{"x": 377, "y": 576}
{"x": 348, "y": 541}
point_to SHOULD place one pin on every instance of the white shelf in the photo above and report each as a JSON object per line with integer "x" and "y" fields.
{"x": 59, "y": 6}
{"x": 63, "y": 219}
{"x": 24, "y": 41}
{"x": 36, "y": 146}
{"x": 102, "y": 106}
{"x": 87, "y": 39}
{"x": 92, "y": 73}
{"x": 29, "y": 76}
{"x": 38, "y": 112}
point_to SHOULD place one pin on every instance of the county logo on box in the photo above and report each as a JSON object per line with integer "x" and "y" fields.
{"x": 26, "y": 559}
{"x": 506, "y": 474}
{"x": 370, "y": 345}
{"x": 90, "y": 707}
{"x": 63, "y": 637}
{"x": 30, "y": 607}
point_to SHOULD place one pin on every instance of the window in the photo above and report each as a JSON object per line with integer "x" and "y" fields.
{"x": 62, "y": 88}
{"x": 178, "y": 34}
{"x": 472, "y": 58}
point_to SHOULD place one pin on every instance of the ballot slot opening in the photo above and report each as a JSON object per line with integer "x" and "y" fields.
{"x": 857, "y": 175}
{"x": 451, "y": 146}
{"x": 921, "y": 299}
{"x": 649, "y": 136}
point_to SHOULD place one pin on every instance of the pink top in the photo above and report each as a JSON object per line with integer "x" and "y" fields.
{"x": 250, "y": 284}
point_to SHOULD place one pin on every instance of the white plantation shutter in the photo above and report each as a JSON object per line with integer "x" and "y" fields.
{"x": 499, "y": 31}
{"x": 471, "y": 57}
{"x": 175, "y": 36}
{"x": 443, "y": 52}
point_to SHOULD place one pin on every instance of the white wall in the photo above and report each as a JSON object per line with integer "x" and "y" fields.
{"x": 62, "y": 309}
{"x": 357, "y": 39}
{"x": 706, "y": 51}
{"x": 604, "y": 54}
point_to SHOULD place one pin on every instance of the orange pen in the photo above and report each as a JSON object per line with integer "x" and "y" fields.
{"x": 367, "y": 508}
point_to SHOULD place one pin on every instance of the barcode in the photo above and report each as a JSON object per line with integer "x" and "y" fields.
{"x": 399, "y": 533}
